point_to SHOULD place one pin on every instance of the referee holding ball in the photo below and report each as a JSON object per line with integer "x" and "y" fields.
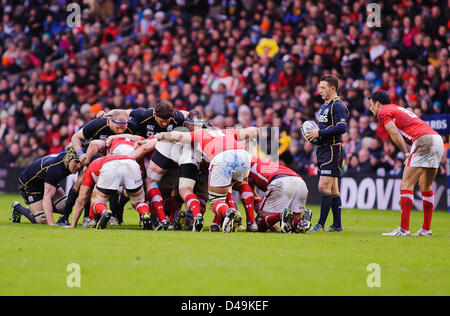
{"x": 333, "y": 122}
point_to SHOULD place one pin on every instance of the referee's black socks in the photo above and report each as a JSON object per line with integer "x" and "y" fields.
{"x": 336, "y": 209}
{"x": 325, "y": 206}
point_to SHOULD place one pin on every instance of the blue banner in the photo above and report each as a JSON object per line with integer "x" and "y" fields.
{"x": 439, "y": 122}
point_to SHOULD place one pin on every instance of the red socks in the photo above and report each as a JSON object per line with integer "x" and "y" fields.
{"x": 266, "y": 222}
{"x": 220, "y": 208}
{"x": 156, "y": 200}
{"x": 248, "y": 199}
{"x": 406, "y": 204}
{"x": 428, "y": 205}
{"x": 193, "y": 204}
{"x": 97, "y": 208}
{"x": 230, "y": 201}
{"x": 142, "y": 208}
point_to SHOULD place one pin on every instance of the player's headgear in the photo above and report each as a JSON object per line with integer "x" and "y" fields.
{"x": 70, "y": 154}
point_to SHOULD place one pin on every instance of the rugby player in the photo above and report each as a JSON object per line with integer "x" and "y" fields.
{"x": 285, "y": 190}
{"x": 421, "y": 161}
{"x": 39, "y": 186}
{"x": 103, "y": 178}
{"x": 168, "y": 155}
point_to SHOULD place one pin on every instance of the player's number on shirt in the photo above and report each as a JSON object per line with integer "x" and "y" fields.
{"x": 408, "y": 112}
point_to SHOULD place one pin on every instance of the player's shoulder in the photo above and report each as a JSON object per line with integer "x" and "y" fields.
{"x": 338, "y": 103}
{"x": 96, "y": 123}
{"x": 142, "y": 113}
{"x": 53, "y": 158}
{"x": 178, "y": 116}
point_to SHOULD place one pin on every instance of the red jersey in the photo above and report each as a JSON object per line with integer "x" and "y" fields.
{"x": 93, "y": 171}
{"x": 409, "y": 125}
{"x": 214, "y": 141}
{"x": 263, "y": 171}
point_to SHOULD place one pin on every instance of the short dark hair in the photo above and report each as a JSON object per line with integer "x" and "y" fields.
{"x": 332, "y": 80}
{"x": 380, "y": 96}
{"x": 164, "y": 109}
{"x": 195, "y": 115}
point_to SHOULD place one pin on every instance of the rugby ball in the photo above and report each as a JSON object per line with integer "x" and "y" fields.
{"x": 306, "y": 127}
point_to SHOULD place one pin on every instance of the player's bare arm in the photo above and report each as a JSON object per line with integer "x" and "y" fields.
{"x": 95, "y": 146}
{"x": 397, "y": 138}
{"x": 247, "y": 133}
{"x": 174, "y": 136}
{"x": 83, "y": 196}
{"x": 141, "y": 151}
{"x": 77, "y": 143}
{"x": 49, "y": 193}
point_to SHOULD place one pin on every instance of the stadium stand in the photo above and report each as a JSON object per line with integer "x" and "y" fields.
{"x": 244, "y": 63}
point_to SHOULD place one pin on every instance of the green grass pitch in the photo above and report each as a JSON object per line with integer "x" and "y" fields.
{"x": 125, "y": 260}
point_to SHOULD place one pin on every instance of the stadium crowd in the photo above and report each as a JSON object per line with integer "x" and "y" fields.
{"x": 242, "y": 67}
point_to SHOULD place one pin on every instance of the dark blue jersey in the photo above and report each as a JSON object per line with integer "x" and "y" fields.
{"x": 99, "y": 129}
{"x": 49, "y": 169}
{"x": 333, "y": 120}
{"x": 145, "y": 120}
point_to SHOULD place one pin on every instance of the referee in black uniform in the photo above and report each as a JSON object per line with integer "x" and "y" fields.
{"x": 333, "y": 122}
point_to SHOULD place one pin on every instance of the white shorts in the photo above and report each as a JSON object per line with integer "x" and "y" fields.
{"x": 285, "y": 192}
{"x": 426, "y": 152}
{"x": 178, "y": 152}
{"x": 121, "y": 172}
{"x": 228, "y": 166}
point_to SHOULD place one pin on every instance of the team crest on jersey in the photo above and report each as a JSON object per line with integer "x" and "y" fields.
{"x": 169, "y": 128}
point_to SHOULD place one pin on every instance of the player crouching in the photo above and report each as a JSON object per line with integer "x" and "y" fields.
{"x": 285, "y": 190}
{"x": 103, "y": 178}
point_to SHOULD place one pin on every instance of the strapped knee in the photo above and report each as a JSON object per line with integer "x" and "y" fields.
{"x": 214, "y": 197}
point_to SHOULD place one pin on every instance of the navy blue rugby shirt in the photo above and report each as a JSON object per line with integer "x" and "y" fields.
{"x": 333, "y": 122}
{"x": 145, "y": 123}
{"x": 49, "y": 169}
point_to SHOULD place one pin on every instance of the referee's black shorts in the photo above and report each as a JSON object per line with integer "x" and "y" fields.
{"x": 329, "y": 160}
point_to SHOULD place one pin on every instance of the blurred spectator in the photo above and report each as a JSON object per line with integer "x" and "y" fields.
{"x": 27, "y": 156}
